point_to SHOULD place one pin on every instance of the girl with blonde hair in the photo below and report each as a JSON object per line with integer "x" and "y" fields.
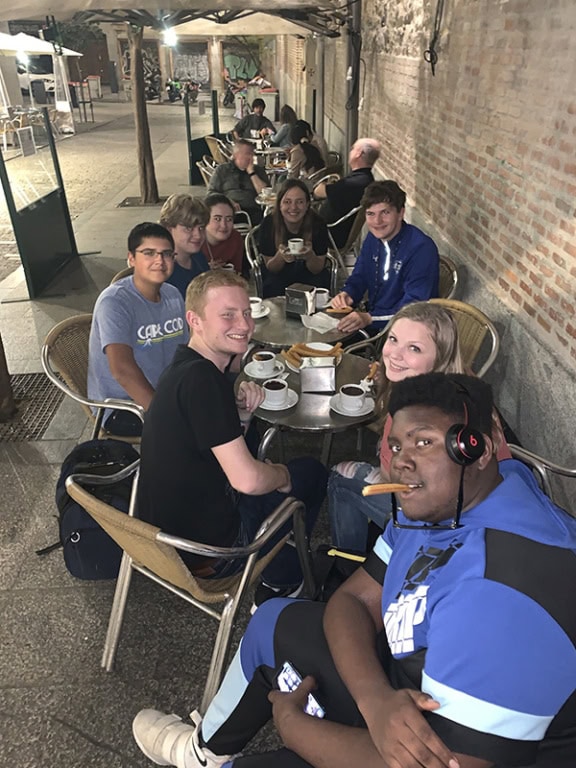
{"x": 422, "y": 338}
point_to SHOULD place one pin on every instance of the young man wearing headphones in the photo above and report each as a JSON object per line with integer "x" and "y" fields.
{"x": 453, "y": 646}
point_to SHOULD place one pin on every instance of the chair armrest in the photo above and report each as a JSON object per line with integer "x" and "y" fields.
{"x": 269, "y": 527}
{"x": 83, "y": 478}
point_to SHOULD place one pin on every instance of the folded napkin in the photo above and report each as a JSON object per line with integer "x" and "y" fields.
{"x": 320, "y": 322}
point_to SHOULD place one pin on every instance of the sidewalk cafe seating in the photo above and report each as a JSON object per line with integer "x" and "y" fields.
{"x": 155, "y": 554}
{"x": 352, "y": 245}
{"x": 65, "y": 362}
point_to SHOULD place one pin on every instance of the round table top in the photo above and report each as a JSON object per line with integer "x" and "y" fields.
{"x": 312, "y": 412}
{"x": 280, "y": 331}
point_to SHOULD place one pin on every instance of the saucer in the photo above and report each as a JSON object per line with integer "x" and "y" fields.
{"x": 251, "y": 369}
{"x": 289, "y": 402}
{"x": 367, "y": 408}
{"x": 264, "y": 313}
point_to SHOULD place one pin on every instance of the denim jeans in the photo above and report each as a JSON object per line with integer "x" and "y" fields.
{"x": 350, "y": 512}
{"x": 309, "y": 479}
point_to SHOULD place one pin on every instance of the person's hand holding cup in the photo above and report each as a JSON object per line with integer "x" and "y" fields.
{"x": 296, "y": 247}
{"x": 286, "y": 254}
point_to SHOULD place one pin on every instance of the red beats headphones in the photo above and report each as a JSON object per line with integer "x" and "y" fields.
{"x": 464, "y": 444}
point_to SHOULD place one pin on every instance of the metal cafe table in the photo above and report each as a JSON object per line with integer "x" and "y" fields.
{"x": 312, "y": 413}
{"x": 279, "y": 331}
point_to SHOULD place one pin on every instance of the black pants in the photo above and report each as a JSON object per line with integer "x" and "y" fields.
{"x": 281, "y": 630}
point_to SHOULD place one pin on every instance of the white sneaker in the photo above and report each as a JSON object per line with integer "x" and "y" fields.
{"x": 166, "y": 740}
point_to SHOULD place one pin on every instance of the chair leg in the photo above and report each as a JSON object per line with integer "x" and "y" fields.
{"x": 304, "y": 555}
{"x": 220, "y": 652}
{"x": 326, "y": 448}
{"x": 117, "y": 613}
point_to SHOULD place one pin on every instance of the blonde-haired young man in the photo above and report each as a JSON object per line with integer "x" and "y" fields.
{"x": 198, "y": 479}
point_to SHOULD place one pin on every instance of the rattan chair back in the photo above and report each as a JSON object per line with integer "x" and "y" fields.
{"x": 126, "y": 272}
{"x": 448, "y": 278}
{"x": 67, "y": 349}
{"x": 474, "y": 328}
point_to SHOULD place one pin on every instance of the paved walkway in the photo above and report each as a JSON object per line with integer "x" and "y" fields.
{"x": 59, "y": 708}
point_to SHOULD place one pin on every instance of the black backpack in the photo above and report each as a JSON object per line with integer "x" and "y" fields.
{"x": 89, "y": 552}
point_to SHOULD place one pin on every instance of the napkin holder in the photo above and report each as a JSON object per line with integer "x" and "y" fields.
{"x": 300, "y": 299}
{"x": 318, "y": 374}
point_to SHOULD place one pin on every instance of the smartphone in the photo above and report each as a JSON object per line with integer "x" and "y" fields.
{"x": 289, "y": 679}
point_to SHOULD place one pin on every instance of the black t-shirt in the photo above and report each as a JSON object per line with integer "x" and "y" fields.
{"x": 182, "y": 488}
{"x": 341, "y": 198}
{"x": 275, "y": 283}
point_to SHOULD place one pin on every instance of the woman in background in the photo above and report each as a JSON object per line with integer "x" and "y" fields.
{"x": 293, "y": 218}
{"x": 223, "y": 244}
{"x": 288, "y": 118}
{"x": 305, "y": 158}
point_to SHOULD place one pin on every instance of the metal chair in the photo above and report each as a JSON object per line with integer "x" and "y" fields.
{"x": 352, "y": 243}
{"x": 154, "y": 554}
{"x": 65, "y": 362}
{"x": 448, "y": 278}
{"x": 314, "y": 178}
{"x": 542, "y": 468}
{"x": 218, "y": 149}
{"x": 126, "y": 272}
{"x": 330, "y": 178}
{"x": 209, "y": 162}
{"x": 204, "y": 172}
{"x": 474, "y": 327}
{"x": 242, "y": 222}
{"x": 255, "y": 261}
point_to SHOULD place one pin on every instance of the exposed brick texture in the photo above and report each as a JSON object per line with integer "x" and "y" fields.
{"x": 486, "y": 148}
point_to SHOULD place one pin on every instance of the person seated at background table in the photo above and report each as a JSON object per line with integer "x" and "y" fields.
{"x": 422, "y": 338}
{"x": 223, "y": 244}
{"x": 137, "y": 325}
{"x": 254, "y": 122}
{"x": 241, "y": 180}
{"x": 431, "y": 654}
{"x": 186, "y": 217}
{"x": 305, "y": 157}
{"x": 344, "y": 195}
{"x": 398, "y": 263}
{"x": 288, "y": 118}
{"x": 198, "y": 479}
{"x": 293, "y": 218}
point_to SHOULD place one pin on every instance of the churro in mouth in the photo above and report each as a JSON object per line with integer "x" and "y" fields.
{"x": 377, "y": 488}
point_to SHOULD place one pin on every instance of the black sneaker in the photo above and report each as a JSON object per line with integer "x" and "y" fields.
{"x": 266, "y": 592}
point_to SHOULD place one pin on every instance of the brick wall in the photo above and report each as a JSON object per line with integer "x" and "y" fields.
{"x": 486, "y": 151}
{"x": 335, "y": 93}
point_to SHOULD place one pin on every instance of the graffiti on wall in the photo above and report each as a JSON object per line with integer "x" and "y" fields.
{"x": 190, "y": 62}
{"x": 239, "y": 63}
{"x": 150, "y": 60}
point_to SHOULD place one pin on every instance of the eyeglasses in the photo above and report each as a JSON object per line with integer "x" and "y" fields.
{"x": 151, "y": 253}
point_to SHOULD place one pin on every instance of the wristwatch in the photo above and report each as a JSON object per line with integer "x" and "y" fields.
{"x": 252, "y": 174}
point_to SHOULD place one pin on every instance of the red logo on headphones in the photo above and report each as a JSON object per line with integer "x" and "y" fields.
{"x": 473, "y": 441}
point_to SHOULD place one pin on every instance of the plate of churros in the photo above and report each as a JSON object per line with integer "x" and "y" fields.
{"x": 297, "y": 352}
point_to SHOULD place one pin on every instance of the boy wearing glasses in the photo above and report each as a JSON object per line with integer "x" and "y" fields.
{"x": 137, "y": 324}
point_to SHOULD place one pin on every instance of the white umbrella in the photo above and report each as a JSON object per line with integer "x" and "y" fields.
{"x": 35, "y": 46}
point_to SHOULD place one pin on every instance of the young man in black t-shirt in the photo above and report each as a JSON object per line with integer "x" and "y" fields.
{"x": 198, "y": 479}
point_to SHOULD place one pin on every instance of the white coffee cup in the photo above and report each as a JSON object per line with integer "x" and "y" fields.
{"x": 295, "y": 245}
{"x": 321, "y": 297}
{"x": 265, "y": 362}
{"x": 254, "y": 134}
{"x": 276, "y": 391}
{"x": 255, "y": 306}
{"x": 267, "y": 192}
{"x": 352, "y": 397}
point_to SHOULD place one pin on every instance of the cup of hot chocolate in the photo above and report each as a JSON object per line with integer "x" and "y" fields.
{"x": 352, "y": 397}
{"x": 265, "y": 362}
{"x": 276, "y": 391}
{"x": 255, "y": 306}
